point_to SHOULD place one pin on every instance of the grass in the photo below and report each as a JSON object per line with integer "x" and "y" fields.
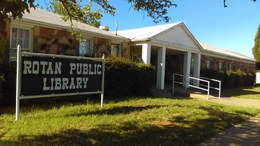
{"x": 251, "y": 93}
{"x": 134, "y": 121}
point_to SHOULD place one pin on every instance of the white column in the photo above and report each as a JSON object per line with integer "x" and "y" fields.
{"x": 197, "y": 62}
{"x": 161, "y": 68}
{"x": 146, "y": 53}
{"x": 186, "y": 68}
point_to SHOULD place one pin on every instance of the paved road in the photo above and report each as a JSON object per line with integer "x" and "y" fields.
{"x": 245, "y": 134}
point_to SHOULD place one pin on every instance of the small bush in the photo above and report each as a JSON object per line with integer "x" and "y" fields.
{"x": 8, "y": 86}
{"x": 230, "y": 79}
{"x": 124, "y": 78}
{"x": 213, "y": 74}
{"x": 241, "y": 78}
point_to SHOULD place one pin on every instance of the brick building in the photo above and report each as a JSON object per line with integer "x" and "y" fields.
{"x": 171, "y": 48}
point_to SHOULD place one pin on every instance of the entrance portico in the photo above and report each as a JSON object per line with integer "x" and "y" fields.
{"x": 190, "y": 63}
{"x": 160, "y": 45}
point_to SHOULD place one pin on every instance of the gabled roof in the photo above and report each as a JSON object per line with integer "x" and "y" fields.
{"x": 45, "y": 18}
{"x": 145, "y": 33}
{"x": 152, "y": 32}
{"x": 212, "y": 50}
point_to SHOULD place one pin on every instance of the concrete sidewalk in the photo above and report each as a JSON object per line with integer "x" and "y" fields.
{"x": 244, "y": 134}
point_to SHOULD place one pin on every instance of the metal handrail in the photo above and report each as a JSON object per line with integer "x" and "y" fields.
{"x": 199, "y": 86}
{"x": 216, "y": 88}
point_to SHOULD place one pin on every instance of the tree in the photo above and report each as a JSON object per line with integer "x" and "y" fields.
{"x": 72, "y": 9}
{"x": 11, "y": 9}
{"x": 256, "y": 48}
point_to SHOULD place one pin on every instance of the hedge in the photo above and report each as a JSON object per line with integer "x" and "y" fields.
{"x": 230, "y": 79}
{"x": 124, "y": 78}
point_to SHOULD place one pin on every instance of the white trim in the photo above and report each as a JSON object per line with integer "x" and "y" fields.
{"x": 25, "y": 21}
{"x": 227, "y": 57}
{"x": 22, "y": 27}
{"x": 174, "y": 46}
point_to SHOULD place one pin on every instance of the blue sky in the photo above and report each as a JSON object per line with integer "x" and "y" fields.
{"x": 232, "y": 28}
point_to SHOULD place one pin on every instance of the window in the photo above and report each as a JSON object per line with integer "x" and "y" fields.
{"x": 230, "y": 66}
{"x": 208, "y": 64}
{"x": 19, "y": 36}
{"x": 192, "y": 65}
{"x": 137, "y": 58}
{"x": 221, "y": 65}
{"x": 85, "y": 48}
{"x": 116, "y": 50}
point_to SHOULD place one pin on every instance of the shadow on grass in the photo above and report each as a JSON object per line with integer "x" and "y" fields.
{"x": 239, "y": 92}
{"x": 57, "y": 102}
{"x": 117, "y": 110}
{"x": 178, "y": 130}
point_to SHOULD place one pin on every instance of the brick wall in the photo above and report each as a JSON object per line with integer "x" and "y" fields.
{"x": 53, "y": 41}
{"x": 228, "y": 64}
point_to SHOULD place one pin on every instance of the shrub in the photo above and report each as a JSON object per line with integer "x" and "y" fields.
{"x": 124, "y": 78}
{"x": 241, "y": 78}
{"x": 8, "y": 86}
{"x": 250, "y": 79}
{"x": 213, "y": 74}
{"x": 230, "y": 79}
{"x": 2, "y": 79}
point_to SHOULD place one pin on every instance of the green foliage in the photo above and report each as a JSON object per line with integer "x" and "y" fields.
{"x": 212, "y": 74}
{"x": 229, "y": 78}
{"x": 11, "y": 9}
{"x": 157, "y": 9}
{"x": 8, "y": 86}
{"x": 256, "y": 48}
{"x": 70, "y": 10}
{"x": 14, "y": 8}
{"x": 125, "y": 78}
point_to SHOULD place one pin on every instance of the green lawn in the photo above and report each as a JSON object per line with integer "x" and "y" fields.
{"x": 252, "y": 93}
{"x": 135, "y": 121}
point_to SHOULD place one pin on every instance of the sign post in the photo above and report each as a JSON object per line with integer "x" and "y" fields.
{"x": 18, "y": 82}
{"x": 103, "y": 81}
{"x": 257, "y": 79}
{"x": 57, "y": 75}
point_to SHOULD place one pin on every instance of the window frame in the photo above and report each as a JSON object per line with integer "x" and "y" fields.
{"x": 21, "y": 27}
{"x": 221, "y": 65}
{"x": 118, "y": 50}
{"x": 91, "y": 48}
{"x": 208, "y": 64}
